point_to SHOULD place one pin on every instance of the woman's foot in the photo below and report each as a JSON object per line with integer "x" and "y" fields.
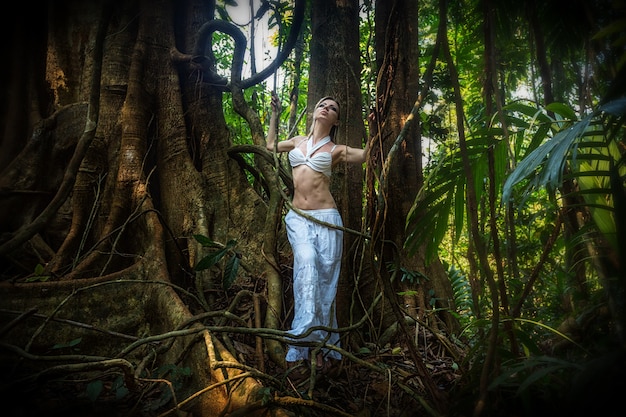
{"x": 320, "y": 364}
{"x": 327, "y": 367}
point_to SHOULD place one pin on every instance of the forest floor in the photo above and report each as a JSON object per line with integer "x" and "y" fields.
{"x": 348, "y": 389}
{"x": 380, "y": 382}
{"x": 358, "y": 391}
{"x": 384, "y": 384}
{"x": 374, "y": 382}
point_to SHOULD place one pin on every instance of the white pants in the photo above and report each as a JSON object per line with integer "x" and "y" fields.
{"x": 317, "y": 251}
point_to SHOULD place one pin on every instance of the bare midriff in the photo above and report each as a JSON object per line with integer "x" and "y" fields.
{"x": 312, "y": 189}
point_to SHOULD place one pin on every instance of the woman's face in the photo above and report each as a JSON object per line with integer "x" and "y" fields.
{"x": 328, "y": 109}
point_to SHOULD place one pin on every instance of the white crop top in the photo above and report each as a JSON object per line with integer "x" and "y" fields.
{"x": 320, "y": 162}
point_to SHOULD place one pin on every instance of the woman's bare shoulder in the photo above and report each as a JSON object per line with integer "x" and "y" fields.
{"x": 345, "y": 153}
{"x": 297, "y": 140}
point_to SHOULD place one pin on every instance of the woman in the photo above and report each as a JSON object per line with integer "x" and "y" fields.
{"x": 317, "y": 248}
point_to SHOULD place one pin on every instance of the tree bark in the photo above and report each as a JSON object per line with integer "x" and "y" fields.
{"x": 335, "y": 70}
{"x": 123, "y": 236}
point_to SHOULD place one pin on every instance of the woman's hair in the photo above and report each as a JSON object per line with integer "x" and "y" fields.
{"x": 333, "y": 130}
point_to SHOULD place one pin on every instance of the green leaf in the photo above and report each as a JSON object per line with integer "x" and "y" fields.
{"x": 72, "y": 343}
{"x": 94, "y": 388}
{"x": 230, "y": 272}
{"x": 38, "y": 274}
{"x": 231, "y": 244}
{"x": 39, "y": 278}
{"x": 618, "y": 26}
{"x": 551, "y": 156}
{"x": 205, "y": 241}
{"x": 210, "y": 260}
{"x": 266, "y": 394}
{"x": 561, "y": 109}
{"x": 121, "y": 392}
{"x": 75, "y": 342}
{"x": 119, "y": 387}
{"x": 615, "y": 107}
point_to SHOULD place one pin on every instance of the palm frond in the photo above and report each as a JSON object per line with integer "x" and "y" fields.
{"x": 586, "y": 151}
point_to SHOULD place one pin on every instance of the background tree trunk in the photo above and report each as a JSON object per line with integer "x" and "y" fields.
{"x": 335, "y": 70}
{"x": 398, "y": 89}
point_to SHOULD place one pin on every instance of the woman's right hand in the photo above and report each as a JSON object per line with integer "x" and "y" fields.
{"x": 275, "y": 102}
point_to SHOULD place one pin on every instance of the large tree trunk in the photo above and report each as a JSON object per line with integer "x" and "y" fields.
{"x": 397, "y": 53}
{"x": 335, "y": 71}
{"x": 398, "y": 88}
{"x": 112, "y": 228}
